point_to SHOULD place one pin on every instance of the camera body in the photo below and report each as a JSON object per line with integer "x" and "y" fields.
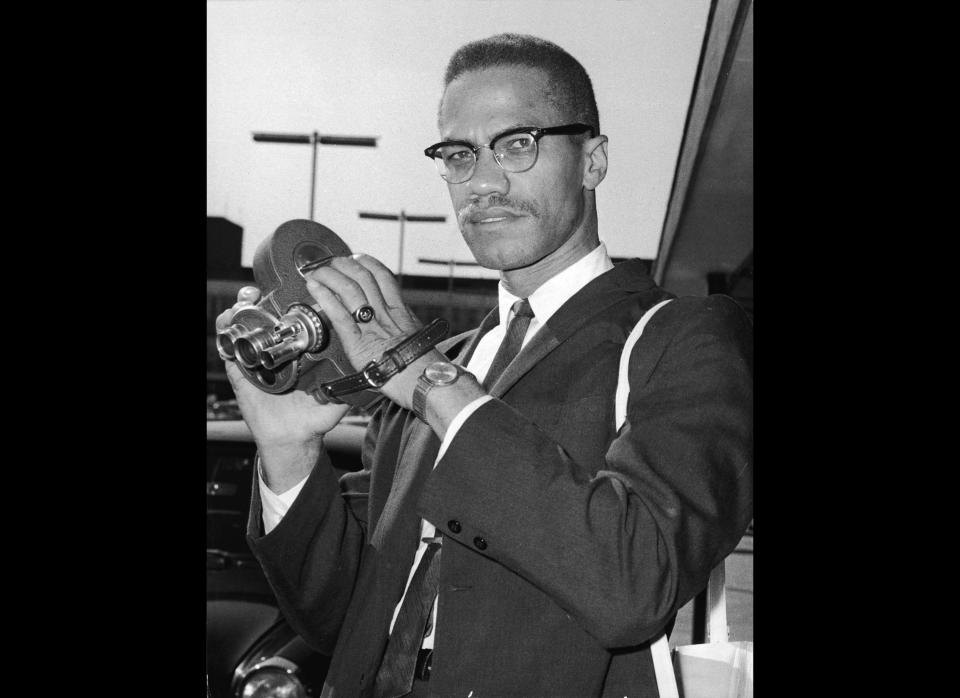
{"x": 285, "y": 342}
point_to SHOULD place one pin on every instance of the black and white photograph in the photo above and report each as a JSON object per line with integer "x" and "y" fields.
{"x": 479, "y": 349}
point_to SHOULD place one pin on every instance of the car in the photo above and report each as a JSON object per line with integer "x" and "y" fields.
{"x": 252, "y": 652}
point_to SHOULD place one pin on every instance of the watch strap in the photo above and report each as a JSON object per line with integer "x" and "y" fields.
{"x": 419, "y": 405}
{"x": 394, "y": 360}
{"x": 425, "y": 385}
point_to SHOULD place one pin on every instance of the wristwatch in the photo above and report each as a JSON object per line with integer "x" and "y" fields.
{"x": 436, "y": 375}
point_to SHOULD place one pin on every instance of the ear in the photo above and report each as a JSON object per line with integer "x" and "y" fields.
{"x": 595, "y": 161}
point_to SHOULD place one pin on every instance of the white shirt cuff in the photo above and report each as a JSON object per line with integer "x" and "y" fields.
{"x": 275, "y": 505}
{"x": 457, "y": 422}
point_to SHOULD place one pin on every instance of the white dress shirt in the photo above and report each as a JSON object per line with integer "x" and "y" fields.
{"x": 545, "y": 301}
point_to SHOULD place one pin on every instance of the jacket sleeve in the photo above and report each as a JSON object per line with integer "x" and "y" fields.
{"x": 312, "y": 557}
{"x": 623, "y": 550}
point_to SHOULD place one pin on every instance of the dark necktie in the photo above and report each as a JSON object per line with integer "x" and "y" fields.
{"x": 512, "y": 341}
{"x": 395, "y": 677}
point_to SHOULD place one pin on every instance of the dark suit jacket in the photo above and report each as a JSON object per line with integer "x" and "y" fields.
{"x": 568, "y": 546}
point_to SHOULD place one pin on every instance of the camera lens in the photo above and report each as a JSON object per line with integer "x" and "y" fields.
{"x": 226, "y": 340}
{"x": 266, "y": 376}
{"x": 246, "y": 353}
{"x": 249, "y": 346}
{"x": 281, "y": 354}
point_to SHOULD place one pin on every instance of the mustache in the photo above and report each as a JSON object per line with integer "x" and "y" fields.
{"x": 497, "y": 201}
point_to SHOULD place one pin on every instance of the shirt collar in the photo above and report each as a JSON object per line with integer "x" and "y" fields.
{"x": 558, "y": 289}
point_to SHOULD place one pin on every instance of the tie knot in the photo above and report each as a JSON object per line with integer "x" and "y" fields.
{"x": 522, "y": 308}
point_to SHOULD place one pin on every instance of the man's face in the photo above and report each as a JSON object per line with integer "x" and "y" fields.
{"x": 513, "y": 219}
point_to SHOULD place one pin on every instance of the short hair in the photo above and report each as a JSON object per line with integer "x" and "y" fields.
{"x": 569, "y": 87}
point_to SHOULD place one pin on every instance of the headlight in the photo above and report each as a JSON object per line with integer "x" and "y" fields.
{"x": 277, "y": 681}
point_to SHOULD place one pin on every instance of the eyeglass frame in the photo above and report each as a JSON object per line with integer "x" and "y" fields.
{"x": 535, "y": 132}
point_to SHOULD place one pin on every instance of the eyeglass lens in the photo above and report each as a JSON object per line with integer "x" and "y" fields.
{"x": 515, "y": 152}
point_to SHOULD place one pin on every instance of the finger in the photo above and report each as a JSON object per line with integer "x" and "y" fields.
{"x": 371, "y": 289}
{"x": 248, "y": 295}
{"x": 223, "y": 320}
{"x": 390, "y": 290}
{"x": 385, "y": 280}
{"x": 349, "y": 292}
{"x": 333, "y": 307}
{"x": 356, "y": 288}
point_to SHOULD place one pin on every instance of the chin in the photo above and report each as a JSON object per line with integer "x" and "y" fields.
{"x": 507, "y": 261}
{"x": 489, "y": 262}
{"x": 500, "y": 250}
{"x": 498, "y": 255}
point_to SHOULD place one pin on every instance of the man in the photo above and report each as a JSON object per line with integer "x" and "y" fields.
{"x": 566, "y": 546}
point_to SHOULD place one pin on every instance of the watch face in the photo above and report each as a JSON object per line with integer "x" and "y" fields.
{"x": 441, "y": 373}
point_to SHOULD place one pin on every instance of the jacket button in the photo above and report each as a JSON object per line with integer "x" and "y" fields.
{"x": 480, "y": 543}
{"x": 454, "y": 525}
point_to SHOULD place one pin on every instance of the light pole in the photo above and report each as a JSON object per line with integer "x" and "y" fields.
{"x": 315, "y": 139}
{"x": 403, "y": 217}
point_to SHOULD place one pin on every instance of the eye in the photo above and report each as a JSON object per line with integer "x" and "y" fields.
{"x": 517, "y": 142}
{"x": 456, "y": 154}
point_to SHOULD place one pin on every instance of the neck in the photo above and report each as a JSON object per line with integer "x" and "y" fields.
{"x": 524, "y": 281}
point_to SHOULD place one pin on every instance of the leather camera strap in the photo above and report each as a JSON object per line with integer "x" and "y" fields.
{"x": 394, "y": 360}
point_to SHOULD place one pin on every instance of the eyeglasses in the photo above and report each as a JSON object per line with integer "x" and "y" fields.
{"x": 515, "y": 150}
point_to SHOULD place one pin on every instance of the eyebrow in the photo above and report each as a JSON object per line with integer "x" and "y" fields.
{"x": 520, "y": 125}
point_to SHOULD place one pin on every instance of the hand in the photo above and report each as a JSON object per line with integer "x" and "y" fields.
{"x": 348, "y": 283}
{"x": 288, "y": 427}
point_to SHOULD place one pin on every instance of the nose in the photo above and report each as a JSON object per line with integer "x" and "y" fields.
{"x": 488, "y": 176}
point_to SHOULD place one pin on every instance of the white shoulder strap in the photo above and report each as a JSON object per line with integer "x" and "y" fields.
{"x": 717, "y": 604}
{"x": 663, "y": 668}
{"x": 623, "y": 384}
{"x": 716, "y": 596}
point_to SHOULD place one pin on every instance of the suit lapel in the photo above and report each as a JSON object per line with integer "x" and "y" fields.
{"x": 461, "y": 347}
{"x": 608, "y": 289}
{"x": 418, "y": 451}
{"x": 542, "y": 344}
{"x": 398, "y": 528}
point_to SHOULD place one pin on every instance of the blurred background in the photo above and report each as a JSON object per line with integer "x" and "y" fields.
{"x": 322, "y": 110}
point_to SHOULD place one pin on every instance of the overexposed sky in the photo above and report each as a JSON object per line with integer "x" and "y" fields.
{"x": 375, "y": 68}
